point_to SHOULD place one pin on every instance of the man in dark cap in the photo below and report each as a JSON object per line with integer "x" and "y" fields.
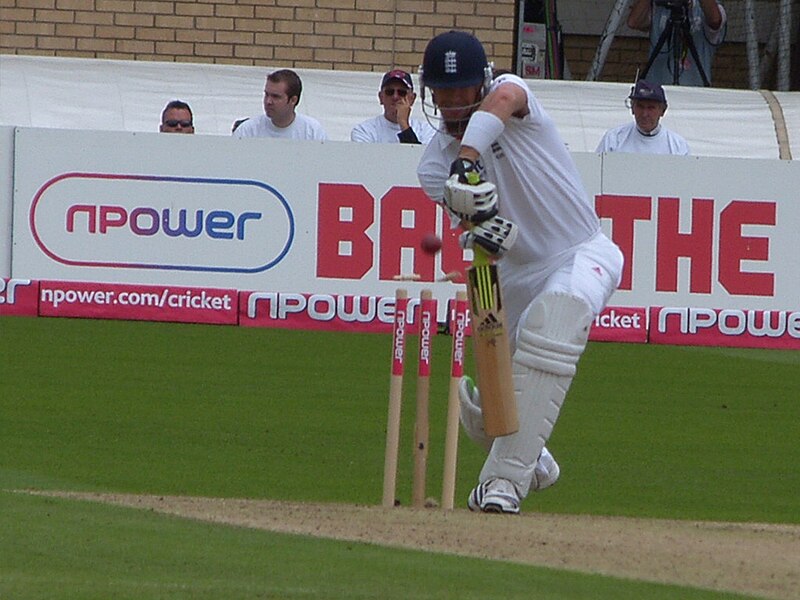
{"x": 645, "y": 134}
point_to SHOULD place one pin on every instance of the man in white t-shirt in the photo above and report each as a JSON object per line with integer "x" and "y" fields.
{"x": 280, "y": 119}
{"x": 395, "y": 124}
{"x": 500, "y": 167}
{"x": 646, "y": 134}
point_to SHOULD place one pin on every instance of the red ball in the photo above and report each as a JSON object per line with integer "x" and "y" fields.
{"x": 431, "y": 243}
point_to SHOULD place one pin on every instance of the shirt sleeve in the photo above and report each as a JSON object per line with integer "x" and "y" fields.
{"x": 603, "y": 145}
{"x": 407, "y": 136}
{"x": 246, "y": 129}
{"x": 359, "y": 134}
{"x": 320, "y": 133}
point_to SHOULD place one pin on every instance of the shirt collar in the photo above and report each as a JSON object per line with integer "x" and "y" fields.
{"x": 656, "y": 130}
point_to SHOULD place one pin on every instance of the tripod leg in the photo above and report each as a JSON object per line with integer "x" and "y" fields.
{"x": 665, "y": 35}
{"x": 677, "y": 53}
{"x": 693, "y": 51}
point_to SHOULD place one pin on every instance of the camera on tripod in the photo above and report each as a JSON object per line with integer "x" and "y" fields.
{"x": 673, "y": 4}
{"x": 677, "y": 40}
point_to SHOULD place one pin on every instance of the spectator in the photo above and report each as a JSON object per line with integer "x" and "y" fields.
{"x": 238, "y": 122}
{"x": 177, "y": 118}
{"x": 707, "y": 25}
{"x": 280, "y": 119}
{"x": 395, "y": 124}
{"x": 646, "y": 134}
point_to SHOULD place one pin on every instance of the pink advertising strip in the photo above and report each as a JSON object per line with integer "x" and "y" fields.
{"x": 138, "y": 302}
{"x": 19, "y": 297}
{"x": 620, "y": 324}
{"x": 323, "y": 312}
{"x": 734, "y": 328}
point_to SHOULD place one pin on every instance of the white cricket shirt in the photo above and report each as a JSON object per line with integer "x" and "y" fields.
{"x": 302, "y": 128}
{"x": 538, "y": 184}
{"x": 627, "y": 138}
{"x": 379, "y": 129}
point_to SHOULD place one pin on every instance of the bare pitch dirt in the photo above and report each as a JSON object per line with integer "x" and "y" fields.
{"x": 757, "y": 559}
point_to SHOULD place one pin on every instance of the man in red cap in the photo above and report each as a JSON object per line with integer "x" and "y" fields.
{"x": 397, "y": 96}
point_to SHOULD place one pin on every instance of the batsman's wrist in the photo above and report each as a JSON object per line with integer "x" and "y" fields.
{"x": 483, "y": 129}
{"x": 468, "y": 154}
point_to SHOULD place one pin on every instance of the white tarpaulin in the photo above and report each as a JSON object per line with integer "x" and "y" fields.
{"x": 78, "y": 93}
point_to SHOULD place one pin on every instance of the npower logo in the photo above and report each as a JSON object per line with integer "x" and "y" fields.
{"x": 161, "y": 222}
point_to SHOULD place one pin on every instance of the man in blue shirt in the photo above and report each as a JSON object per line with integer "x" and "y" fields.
{"x": 706, "y": 23}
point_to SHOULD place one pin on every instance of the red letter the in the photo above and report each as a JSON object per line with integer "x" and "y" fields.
{"x": 344, "y": 213}
{"x": 407, "y": 214}
{"x": 696, "y": 245}
{"x": 623, "y": 211}
{"x": 734, "y": 248}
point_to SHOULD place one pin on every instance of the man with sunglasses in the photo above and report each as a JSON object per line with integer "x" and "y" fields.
{"x": 395, "y": 124}
{"x": 177, "y": 118}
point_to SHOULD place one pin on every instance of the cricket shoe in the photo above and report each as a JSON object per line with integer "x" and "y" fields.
{"x": 495, "y": 496}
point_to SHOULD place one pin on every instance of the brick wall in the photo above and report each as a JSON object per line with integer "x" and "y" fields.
{"x": 368, "y": 35}
{"x": 364, "y": 35}
{"x": 729, "y": 69}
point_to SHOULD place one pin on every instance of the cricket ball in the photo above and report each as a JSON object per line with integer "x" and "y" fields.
{"x": 431, "y": 243}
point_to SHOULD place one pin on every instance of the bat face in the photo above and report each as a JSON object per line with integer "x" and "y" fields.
{"x": 492, "y": 351}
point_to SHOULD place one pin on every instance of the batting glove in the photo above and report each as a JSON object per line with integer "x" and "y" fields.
{"x": 467, "y": 195}
{"x": 496, "y": 236}
{"x": 467, "y": 171}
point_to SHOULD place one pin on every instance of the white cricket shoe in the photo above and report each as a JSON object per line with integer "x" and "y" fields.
{"x": 494, "y": 496}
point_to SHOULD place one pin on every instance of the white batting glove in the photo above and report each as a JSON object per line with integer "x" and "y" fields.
{"x": 467, "y": 195}
{"x": 496, "y": 236}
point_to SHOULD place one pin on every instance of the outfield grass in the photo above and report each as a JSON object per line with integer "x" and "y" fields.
{"x": 688, "y": 433}
{"x": 68, "y": 549}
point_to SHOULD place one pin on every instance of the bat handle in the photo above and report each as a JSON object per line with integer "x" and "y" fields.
{"x": 480, "y": 258}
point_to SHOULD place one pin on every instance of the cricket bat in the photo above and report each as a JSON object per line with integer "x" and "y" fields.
{"x": 491, "y": 348}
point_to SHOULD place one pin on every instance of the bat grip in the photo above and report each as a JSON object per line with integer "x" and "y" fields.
{"x": 480, "y": 258}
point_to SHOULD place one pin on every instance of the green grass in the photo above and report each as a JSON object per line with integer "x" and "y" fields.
{"x": 68, "y": 549}
{"x": 688, "y": 433}
{"x": 676, "y": 432}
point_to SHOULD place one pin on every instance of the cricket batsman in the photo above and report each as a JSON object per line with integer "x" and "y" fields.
{"x": 499, "y": 165}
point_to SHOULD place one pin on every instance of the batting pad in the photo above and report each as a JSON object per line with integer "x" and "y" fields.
{"x": 549, "y": 344}
{"x": 471, "y": 416}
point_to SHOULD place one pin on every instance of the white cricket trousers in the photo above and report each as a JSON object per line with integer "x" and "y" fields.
{"x": 591, "y": 271}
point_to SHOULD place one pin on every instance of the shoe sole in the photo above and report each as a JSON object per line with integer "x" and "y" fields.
{"x": 498, "y": 510}
{"x": 491, "y": 508}
{"x": 474, "y": 504}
